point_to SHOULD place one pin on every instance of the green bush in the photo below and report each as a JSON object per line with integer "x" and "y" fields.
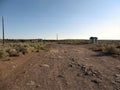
{"x": 38, "y": 46}
{"x": 23, "y": 49}
{"x": 107, "y": 48}
{"x": 13, "y": 52}
{"x": 110, "y": 49}
{"x": 3, "y": 53}
{"x": 16, "y": 49}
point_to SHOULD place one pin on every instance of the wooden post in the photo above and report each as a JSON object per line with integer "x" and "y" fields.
{"x": 3, "y": 30}
{"x": 57, "y": 37}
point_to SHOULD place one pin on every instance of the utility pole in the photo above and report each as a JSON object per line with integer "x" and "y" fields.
{"x": 57, "y": 37}
{"x": 3, "y": 30}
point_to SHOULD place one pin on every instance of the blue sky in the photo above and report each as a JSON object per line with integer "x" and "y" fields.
{"x": 71, "y": 19}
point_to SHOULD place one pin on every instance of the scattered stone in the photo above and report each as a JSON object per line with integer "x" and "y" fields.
{"x": 117, "y": 75}
{"x": 31, "y": 83}
{"x": 117, "y": 78}
{"x": 44, "y": 65}
{"x": 6, "y": 59}
{"x": 23, "y": 72}
{"x": 14, "y": 66}
{"x": 96, "y": 81}
{"x": 70, "y": 65}
{"x": 65, "y": 51}
{"x": 87, "y": 58}
{"x": 78, "y": 65}
{"x": 78, "y": 74}
{"x": 37, "y": 86}
{"x": 72, "y": 59}
{"x": 90, "y": 71}
{"x": 40, "y": 66}
{"x": 54, "y": 51}
{"x": 60, "y": 57}
{"x": 113, "y": 82}
{"x": 60, "y": 76}
{"x": 118, "y": 67}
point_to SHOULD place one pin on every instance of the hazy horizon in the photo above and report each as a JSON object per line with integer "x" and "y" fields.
{"x": 70, "y": 19}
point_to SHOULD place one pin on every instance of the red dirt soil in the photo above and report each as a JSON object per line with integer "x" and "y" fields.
{"x": 62, "y": 67}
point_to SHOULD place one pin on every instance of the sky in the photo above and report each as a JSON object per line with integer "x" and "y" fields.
{"x": 70, "y": 19}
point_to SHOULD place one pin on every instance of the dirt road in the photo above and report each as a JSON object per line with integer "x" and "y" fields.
{"x": 63, "y": 67}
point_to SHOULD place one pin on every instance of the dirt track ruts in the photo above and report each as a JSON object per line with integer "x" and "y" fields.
{"x": 63, "y": 67}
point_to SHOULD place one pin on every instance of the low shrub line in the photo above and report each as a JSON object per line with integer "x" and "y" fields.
{"x": 107, "y": 48}
{"x": 17, "y": 49}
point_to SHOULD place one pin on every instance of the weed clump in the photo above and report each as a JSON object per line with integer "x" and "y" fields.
{"x": 3, "y": 53}
{"x": 13, "y": 53}
{"x": 16, "y": 49}
{"x": 107, "y": 48}
{"x": 111, "y": 50}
